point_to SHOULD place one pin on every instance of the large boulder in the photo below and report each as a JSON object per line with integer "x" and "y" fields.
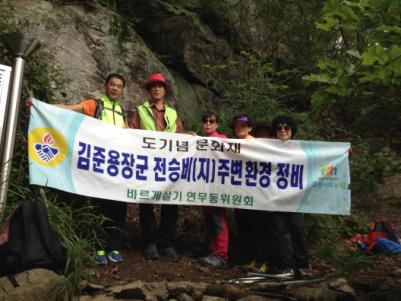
{"x": 36, "y": 284}
{"x": 321, "y": 294}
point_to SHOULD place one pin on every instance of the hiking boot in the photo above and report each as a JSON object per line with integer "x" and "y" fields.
{"x": 100, "y": 257}
{"x": 304, "y": 273}
{"x": 170, "y": 253}
{"x": 115, "y": 256}
{"x": 214, "y": 261}
{"x": 248, "y": 267}
{"x": 151, "y": 252}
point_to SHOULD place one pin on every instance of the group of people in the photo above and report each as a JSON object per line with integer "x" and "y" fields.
{"x": 262, "y": 235}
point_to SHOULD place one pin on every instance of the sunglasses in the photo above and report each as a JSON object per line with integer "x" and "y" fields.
{"x": 283, "y": 127}
{"x": 211, "y": 121}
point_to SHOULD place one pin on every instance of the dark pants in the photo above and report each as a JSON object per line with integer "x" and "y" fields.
{"x": 217, "y": 230}
{"x": 284, "y": 256}
{"x": 114, "y": 234}
{"x": 253, "y": 235}
{"x": 164, "y": 235}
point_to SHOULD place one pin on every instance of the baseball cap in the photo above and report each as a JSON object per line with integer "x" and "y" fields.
{"x": 241, "y": 118}
{"x": 155, "y": 78}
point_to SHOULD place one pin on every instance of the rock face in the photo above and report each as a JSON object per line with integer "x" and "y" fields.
{"x": 84, "y": 46}
{"x": 192, "y": 47}
{"x": 37, "y": 284}
{"x": 84, "y": 43}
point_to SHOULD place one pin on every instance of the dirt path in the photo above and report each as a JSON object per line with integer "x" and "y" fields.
{"x": 191, "y": 246}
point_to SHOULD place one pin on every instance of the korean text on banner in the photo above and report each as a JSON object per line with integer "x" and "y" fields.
{"x": 79, "y": 154}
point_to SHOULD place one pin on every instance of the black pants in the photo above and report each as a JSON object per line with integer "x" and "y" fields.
{"x": 253, "y": 233}
{"x": 284, "y": 256}
{"x": 114, "y": 234}
{"x": 164, "y": 235}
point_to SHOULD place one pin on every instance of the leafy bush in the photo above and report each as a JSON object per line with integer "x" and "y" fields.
{"x": 77, "y": 225}
{"x": 257, "y": 92}
{"x": 361, "y": 79}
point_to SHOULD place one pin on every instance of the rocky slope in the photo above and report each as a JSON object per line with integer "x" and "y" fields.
{"x": 84, "y": 44}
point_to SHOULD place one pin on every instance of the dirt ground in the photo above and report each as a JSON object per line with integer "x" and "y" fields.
{"x": 191, "y": 245}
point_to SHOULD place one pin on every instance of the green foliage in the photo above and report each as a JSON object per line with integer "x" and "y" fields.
{"x": 119, "y": 28}
{"x": 259, "y": 92}
{"x": 371, "y": 165}
{"x": 292, "y": 24}
{"x": 37, "y": 79}
{"x": 111, "y": 4}
{"x": 77, "y": 225}
{"x": 343, "y": 257}
{"x": 255, "y": 94}
{"x": 330, "y": 240}
{"x": 362, "y": 77}
{"x": 328, "y": 228}
{"x": 360, "y": 81}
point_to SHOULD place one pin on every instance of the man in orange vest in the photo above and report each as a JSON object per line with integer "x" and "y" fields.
{"x": 107, "y": 109}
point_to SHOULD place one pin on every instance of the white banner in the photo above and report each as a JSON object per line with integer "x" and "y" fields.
{"x": 80, "y": 154}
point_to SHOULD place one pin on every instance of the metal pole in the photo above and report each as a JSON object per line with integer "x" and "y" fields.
{"x": 5, "y": 76}
{"x": 11, "y": 127}
{"x": 20, "y": 46}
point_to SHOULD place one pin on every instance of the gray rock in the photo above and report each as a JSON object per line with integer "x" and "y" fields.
{"x": 206, "y": 97}
{"x": 189, "y": 105}
{"x": 258, "y": 298}
{"x": 347, "y": 289}
{"x": 184, "y": 297}
{"x": 197, "y": 295}
{"x": 192, "y": 46}
{"x": 319, "y": 294}
{"x": 140, "y": 290}
{"x": 177, "y": 288}
{"x": 103, "y": 297}
{"x": 158, "y": 289}
{"x": 213, "y": 298}
{"x": 338, "y": 282}
{"x": 89, "y": 286}
{"x": 84, "y": 46}
{"x": 36, "y": 284}
{"x": 227, "y": 291}
{"x": 341, "y": 285}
